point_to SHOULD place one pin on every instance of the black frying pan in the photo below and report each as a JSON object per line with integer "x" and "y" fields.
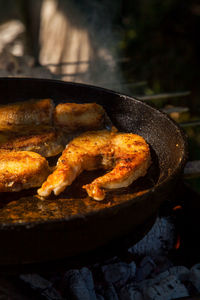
{"x": 34, "y": 231}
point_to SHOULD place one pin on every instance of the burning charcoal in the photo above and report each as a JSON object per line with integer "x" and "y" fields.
{"x": 88, "y": 278}
{"x": 51, "y": 294}
{"x": 146, "y": 267}
{"x": 41, "y": 285}
{"x": 129, "y": 292}
{"x": 168, "y": 288}
{"x": 162, "y": 264}
{"x": 195, "y": 276}
{"x": 180, "y": 272}
{"x": 110, "y": 293}
{"x": 76, "y": 287}
{"x": 158, "y": 241}
{"x": 144, "y": 284}
{"x": 119, "y": 273}
{"x": 36, "y": 281}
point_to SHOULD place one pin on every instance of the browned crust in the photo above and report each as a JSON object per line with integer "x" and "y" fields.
{"x": 27, "y": 125}
{"x": 127, "y": 154}
{"x": 32, "y": 112}
{"x": 73, "y": 116}
{"x": 21, "y": 170}
{"x": 46, "y": 141}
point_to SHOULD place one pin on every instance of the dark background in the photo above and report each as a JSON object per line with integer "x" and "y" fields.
{"x": 157, "y": 41}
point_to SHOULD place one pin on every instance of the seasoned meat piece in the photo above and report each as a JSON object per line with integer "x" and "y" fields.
{"x": 73, "y": 116}
{"x": 44, "y": 140}
{"x": 21, "y": 170}
{"x": 34, "y": 125}
{"x": 32, "y": 112}
{"x": 127, "y": 154}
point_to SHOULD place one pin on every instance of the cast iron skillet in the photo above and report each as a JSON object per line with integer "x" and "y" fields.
{"x": 34, "y": 231}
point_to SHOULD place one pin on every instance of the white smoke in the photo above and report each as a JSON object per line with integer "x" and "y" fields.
{"x": 77, "y": 42}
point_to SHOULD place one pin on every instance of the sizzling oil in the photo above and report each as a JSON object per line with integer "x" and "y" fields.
{"x": 27, "y": 206}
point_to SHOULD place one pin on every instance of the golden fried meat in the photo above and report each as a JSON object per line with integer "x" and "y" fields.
{"x": 32, "y": 112}
{"x": 73, "y": 116}
{"x": 125, "y": 155}
{"x": 21, "y": 170}
{"x": 35, "y": 125}
{"x": 45, "y": 140}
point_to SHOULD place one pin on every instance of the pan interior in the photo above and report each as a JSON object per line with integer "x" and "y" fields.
{"x": 128, "y": 115}
{"x": 27, "y": 206}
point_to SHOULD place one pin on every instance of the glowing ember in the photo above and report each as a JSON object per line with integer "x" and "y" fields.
{"x": 177, "y": 207}
{"x": 178, "y": 242}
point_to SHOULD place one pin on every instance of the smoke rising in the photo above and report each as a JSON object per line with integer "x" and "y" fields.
{"x": 77, "y": 41}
